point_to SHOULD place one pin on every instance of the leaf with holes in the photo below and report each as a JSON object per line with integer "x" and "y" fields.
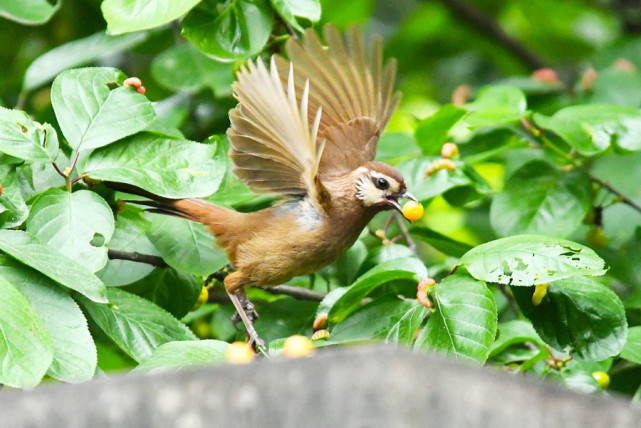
{"x": 530, "y": 260}
{"x": 91, "y": 114}
{"x": 78, "y": 224}
{"x": 464, "y": 322}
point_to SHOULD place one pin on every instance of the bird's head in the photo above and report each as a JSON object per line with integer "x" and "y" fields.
{"x": 380, "y": 186}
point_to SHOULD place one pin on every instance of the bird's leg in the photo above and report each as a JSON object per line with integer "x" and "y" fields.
{"x": 234, "y": 287}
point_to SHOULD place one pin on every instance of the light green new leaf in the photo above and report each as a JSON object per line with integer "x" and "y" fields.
{"x": 25, "y": 347}
{"x": 578, "y": 314}
{"x": 431, "y": 132}
{"x": 166, "y": 167}
{"x": 399, "y": 269}
{"x": 237, "y": 30}
{"x": 74, "y": 352}
{"x": 185, "y": 354}
{"x": 29, "y": 12}
{"x": 135, "y": 324}
{"x": 124, "y": 16}
{"x": 632, "y": 349}
{"x": 76, "y": 53}
{"x": 78, "y": 224}
{"x": 53, "y": 264}
{"x": 185, "y": 245}
{"x": 539, "y": 198}
{"x": 530, "y": 260}
{"x": 25, "y": 139}
{"x": 91, "y": 114}
{"x": 464, "y": 322}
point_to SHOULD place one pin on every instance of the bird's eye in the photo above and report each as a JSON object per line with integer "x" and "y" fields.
{"x": 382, "y": 184}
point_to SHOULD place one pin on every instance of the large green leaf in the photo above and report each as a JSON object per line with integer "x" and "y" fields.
{"x": 124, "y": 16}
{"x": 183, "y": 67}
{"x": 496, "y": 105}
{"x": 13, "y": 208}
{"x": 431, "y": 132}
{"x": 186, "y": 245}
{"x": 236, "y": 29}
{"x": 25, "y": 139}
{"x": 579, "y": 314}
{"x": 185, "y": 354}
{"x": 91, "y": 114}
{"x": 74, "y": 352}
{"x": 398, "y": 269}
{"x": 515, "y": 332}
{"x": 592, "y": 129}
{"x": 73, "y": 223}
{"x": 632, "y": 349}
{"x": 464, "y": 322}
{"x": 389, "y": 318}
{"x": 135, "y": 324}
{"x": 539, "y": 198}
{"x": 29, "y": 12}
{"x": 51, "y": 263}
{"x": 76, "y": 53}
{"x": 531, "y": 260}
{"x": 441, "y": 242}
{"x": 166, "y": 167}
{"x": 285, "y": 317}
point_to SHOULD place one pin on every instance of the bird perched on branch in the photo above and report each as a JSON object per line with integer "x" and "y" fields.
{"x": 306, "y": 129}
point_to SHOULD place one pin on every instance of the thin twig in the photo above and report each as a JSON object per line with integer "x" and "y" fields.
{"x": 299, "y": 293}
{"x": 22, "y": 99}
{"x": 406, "y": 234}
{"x": 73, "y": 164}
{"x": 486, "y": 25}
{"x": 614, "y": 191}
{"x": 510, "y": 298}
{"x": 55, "y": 165}
{"x": 136, "y": 257}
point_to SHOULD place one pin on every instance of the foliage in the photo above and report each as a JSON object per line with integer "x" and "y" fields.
{"x": 533, "y": 232}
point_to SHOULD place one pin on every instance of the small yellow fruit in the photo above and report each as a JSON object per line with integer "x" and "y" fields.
{"x": 412, "y": 210}
{"x": 239, "y": 353}
{"x": 540, "y": 290}
{"x": 602, "y": 378}
{"x": 297, "y": 346}
{"x": 202, "y": 298}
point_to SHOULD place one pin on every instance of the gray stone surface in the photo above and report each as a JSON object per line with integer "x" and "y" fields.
{"x": 350, "y": 387}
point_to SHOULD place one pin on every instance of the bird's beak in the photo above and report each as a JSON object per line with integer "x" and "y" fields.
{"x": 408, "y": 195}
{"x": 394, "y": 201}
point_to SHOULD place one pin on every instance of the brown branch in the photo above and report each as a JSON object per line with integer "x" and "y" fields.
{"x": 486, "y": 25}
{"x": 626, "y": 200}
{"x": 136, "y": 257}
{"x": 296, "y": 292}
{"x": 406, "y": 234}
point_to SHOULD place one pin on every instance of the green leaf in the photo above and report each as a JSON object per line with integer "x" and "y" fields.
{"x": 515, "y": 332}
{"x": 124, "y": 16}
{"x": 29, "y": 12}
{"x": 183, "y": 67}
{"x": 578, "y": 313}
{"x": 236, "y": 29}
{"x": 130, "y": 236}
{"x": 464, "y": 322}
{"x": 397, "y": 269}
{"x": 531, "y": 260}
{"x": 166, "y": 167}
{"x": 285, "y": 317}
{"x": 496, "y": 105}
{"x": 539, "y": 198}
{"x": 290, "y": 9}
{"x": 53, "y": 264}
{"x": 431, "y": 132}
{"x": 174, "y": 291}
{"x": 441, "y": 242}
{"x": 25, "y": 349}
{"x": 91, "y": 114}
{"x": 184, "y": 354}
{"x": 25, "y": 139}
{"x": 394, "y": 147}
{"x": 76, "y": 53}
{"x": 74, "y": 352}
{"x": 135, "y": 324}
{"x": 347, "y": 266}
{"x": 632, "y": 349}
{"x": 13, "y": 208}
{"x": 592, "y": 129}
{"x": 186, "y": 245}
{"x": 620, "y": 87}
{"x": 389, "y": 318}
{"x": 69, "y": 222}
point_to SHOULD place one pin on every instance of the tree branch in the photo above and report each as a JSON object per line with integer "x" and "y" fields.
{"x": 296, "y": 292}
{"x": 485, "y": 24}
{"x": 406, "y": 234}
{"x": 614, "y": 191}
{"x": 136, "y": 257}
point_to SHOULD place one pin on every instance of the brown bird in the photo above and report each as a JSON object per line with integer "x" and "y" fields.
{"x": 306, "y": 129}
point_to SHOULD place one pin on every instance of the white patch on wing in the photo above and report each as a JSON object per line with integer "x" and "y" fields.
{"x": 309, "y": 216}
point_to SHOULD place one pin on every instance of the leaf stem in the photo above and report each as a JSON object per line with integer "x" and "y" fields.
{"x": 406, "y": 234}
{"x": 509, "y": 297}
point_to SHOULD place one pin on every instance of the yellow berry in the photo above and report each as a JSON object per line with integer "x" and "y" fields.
{"x": 602, "y": 378}
{"x": 202, "y": 298}
{"x": 297, "y": 346}
{"x": 540, "y": 290}
{"x": 412, "y": 210}
{"x": 239, "y": 353}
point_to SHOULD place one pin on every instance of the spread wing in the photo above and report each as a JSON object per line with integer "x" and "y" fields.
{"x": 353, "y": 89}
{"x": 273, "y": 147}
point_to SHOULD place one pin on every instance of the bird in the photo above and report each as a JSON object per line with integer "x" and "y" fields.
{"x": 305, "y": 128}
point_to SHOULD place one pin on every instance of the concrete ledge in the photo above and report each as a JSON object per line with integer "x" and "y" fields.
{"x": 350, "y": 387}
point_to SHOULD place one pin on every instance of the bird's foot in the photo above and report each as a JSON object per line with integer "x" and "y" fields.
{"x": 246, "y": 312}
